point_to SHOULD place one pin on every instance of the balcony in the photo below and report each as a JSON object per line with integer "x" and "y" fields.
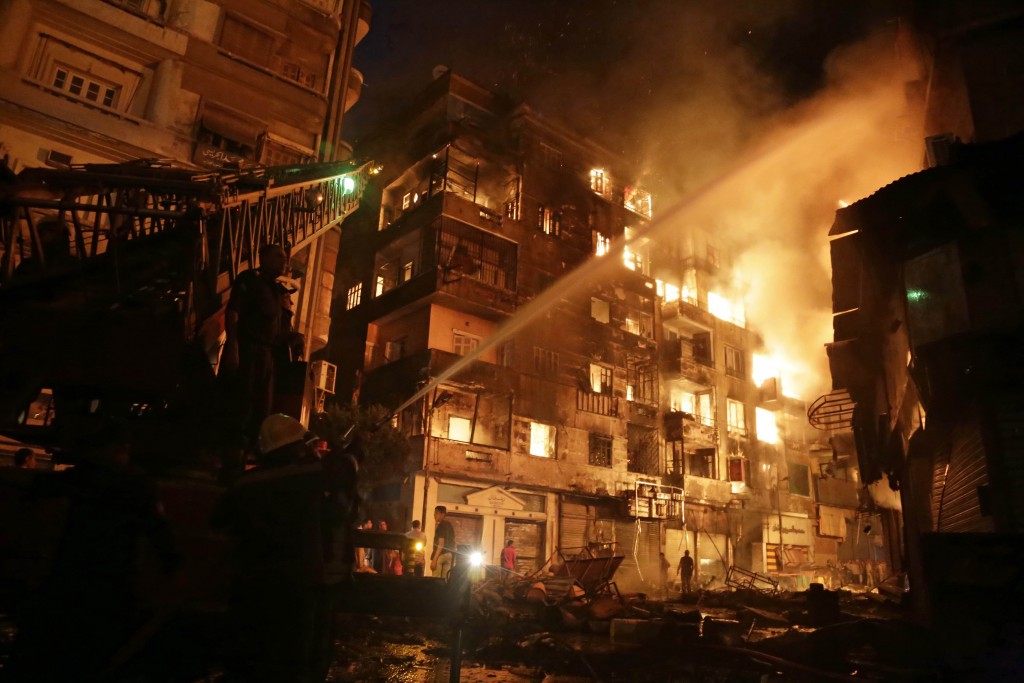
{"x": 690, "y": 429}
{"x": 698, "y": 371}
{"x": 600, "y": 404}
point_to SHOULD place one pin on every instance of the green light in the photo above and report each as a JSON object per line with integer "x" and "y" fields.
{"x": 916, "y": 295}
{"x": 348, "y": 185}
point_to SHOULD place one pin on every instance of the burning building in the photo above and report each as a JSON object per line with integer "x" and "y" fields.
{"x": 611, "y": 408}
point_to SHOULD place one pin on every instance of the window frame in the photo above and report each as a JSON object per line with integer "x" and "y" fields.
{"x": 551, "y": 433}
{"x": 598, "y": 445}
{"x": 354, "y": 296}
{"x": 468, "y": 342}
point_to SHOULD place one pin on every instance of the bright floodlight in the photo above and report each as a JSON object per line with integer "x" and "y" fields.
{"x": 476, "y": 559}
{"x": 419, "y": 546}
{"x": 348, "y": 185}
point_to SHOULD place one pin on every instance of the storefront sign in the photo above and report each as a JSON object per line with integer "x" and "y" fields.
{"x": 795, "y": 530}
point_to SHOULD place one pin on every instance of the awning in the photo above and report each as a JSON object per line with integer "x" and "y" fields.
{"x": 832, "y": 521}
{"x": 232, "y": 125}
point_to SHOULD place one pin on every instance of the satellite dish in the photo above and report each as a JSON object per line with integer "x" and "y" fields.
{"x": 439, "y": 70}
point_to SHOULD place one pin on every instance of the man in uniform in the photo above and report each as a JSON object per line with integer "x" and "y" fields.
{"x": 257, "y": 322}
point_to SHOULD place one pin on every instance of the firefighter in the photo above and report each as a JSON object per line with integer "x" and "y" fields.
{"x": 280, "y": 517}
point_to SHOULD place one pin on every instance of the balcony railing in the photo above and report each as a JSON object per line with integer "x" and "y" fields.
{"x": 601, "y": 404}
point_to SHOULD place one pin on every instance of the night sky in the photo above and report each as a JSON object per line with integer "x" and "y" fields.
{"x": 619, "y": 69}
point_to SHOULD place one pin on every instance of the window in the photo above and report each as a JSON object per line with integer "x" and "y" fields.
{"x": 545, "y": 362}
{"x": 701, "y": 463}
{"x": 550, "y": 157}
{"x": 379, "y": 287}
{"x": 507, "y": 354}
{"x": 641, "y": 383}
{"x": 406, "y": 201}
{"x": 407, "y": 272}
{"x": 600, "y": 310}
{"x": 642, "y": 450}
{"x": 599, "y": 182}
{"x": 393, "y": 350}
{"x": 600, "y": 379}
{"x": 542, "y": 440}
{"x": 88, "y": 87}
{"x": 602, "y": 244}
{"x": 354, "y": 297}
{"x": 674, "y": 457}
{"x": 459, "y": 428}
{"x": 799, "y": 479}
{"x": 699, "y": 406}
{"x": 464, "y": 344}
{"x": 548, "y": 221}
{"x": 734, "y": 365}
{"x": 737, "y": 469}
{"x": 735, "y": 418}
{"x": 600, "y": 450}
{"x": 514, "y": 199}
{"x": 246, "y": 40}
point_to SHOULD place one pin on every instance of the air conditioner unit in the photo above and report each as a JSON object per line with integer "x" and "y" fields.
{"x": 324, "y": 374}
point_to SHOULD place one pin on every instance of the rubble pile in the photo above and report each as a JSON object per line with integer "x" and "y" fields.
{"x": 548, "y": 629}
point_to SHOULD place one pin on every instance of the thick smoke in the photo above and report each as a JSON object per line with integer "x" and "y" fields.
{"x": 751, "y": 96}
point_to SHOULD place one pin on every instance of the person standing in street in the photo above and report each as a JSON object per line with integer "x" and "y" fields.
{"x": 444, "y": 544}
{"x": 508, "y": 556}
{"x": 420, "y": 543}
{"x": 686, "y": 570}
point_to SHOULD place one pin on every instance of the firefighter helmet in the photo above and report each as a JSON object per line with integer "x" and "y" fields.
{"x": 280, "y": 430}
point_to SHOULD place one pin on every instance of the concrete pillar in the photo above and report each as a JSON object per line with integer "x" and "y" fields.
{"x": 163, "y": 95}
{"x": 15, "y": 17}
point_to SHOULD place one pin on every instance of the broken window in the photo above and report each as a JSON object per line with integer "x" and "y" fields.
{"x": 600, "y": 310}
{"x": 542, "y": 440}
{"x": 600, "y": 379}
{"x": 602, "y": 244}
{"x": 642, "y": 450}
{"x": 459, "y": 428}
{"x": 734, "y": 365}
{"x": 699, "y": 406}
{"x": 464, "y": 344}
{"x": 482, "y": 419}
{"x": 545, "y": 362}
{"x": 354, "y": 296}
{"x": 701, "y": 463}
{"x": 600, "y": 450}
{"x": 700, "y": 349}
{"x": 735, "y": 418}
{"x": 637, "y": 200}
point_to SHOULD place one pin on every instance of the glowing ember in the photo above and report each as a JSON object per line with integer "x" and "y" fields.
{"x": 767, "y": 430}
{"x": 843, "y": 203}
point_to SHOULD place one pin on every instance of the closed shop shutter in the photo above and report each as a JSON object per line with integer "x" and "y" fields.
{"x": 650, "y": 552}
{"x": 528, "y": 539}
{"x": 628, "y": 576}
{"x": 959, "y": 504}
{"x": 572, "y": 528}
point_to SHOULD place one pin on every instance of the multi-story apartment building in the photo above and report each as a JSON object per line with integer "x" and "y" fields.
{"x": 626, "y": 406}
{"x": 202, "y": 84}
